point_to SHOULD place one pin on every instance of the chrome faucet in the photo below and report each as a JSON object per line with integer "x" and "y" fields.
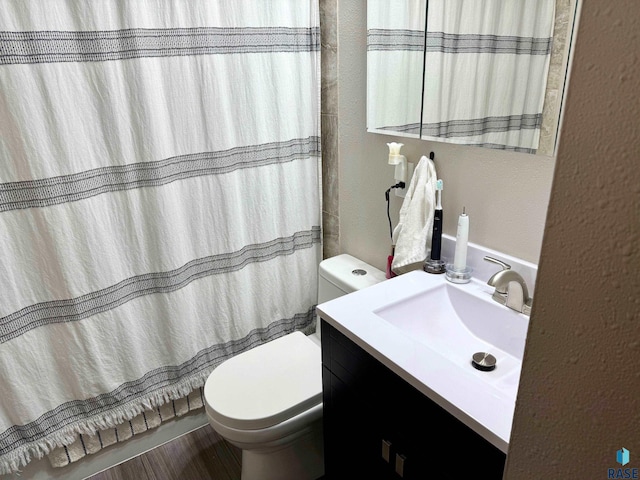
{"x": 510, "y": 288}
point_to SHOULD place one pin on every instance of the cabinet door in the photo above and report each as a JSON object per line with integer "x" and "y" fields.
{"x": 352, "y": 445}
{"x": 433, "y": 442}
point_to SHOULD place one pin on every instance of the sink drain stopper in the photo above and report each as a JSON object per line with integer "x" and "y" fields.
{"x": 483, "y": 361}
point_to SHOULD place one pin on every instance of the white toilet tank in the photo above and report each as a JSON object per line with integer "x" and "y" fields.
{"x": 344, "y": 274}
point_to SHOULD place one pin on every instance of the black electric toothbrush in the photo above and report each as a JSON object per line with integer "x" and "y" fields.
{"x": 435, "y": 264}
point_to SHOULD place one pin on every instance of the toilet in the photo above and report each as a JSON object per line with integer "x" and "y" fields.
{"x": 268, "y": 400}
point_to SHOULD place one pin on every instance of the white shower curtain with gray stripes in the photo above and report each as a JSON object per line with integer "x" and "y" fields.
{"x": 159, "y": 202}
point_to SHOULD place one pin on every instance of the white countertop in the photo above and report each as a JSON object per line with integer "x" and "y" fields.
{"x": 463, "y": 392}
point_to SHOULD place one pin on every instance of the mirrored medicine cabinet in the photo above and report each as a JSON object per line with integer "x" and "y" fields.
{"x": 487, "y": 73}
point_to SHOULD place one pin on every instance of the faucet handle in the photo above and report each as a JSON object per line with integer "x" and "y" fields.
{"x": 505, "y": 266}
{"x": 496, "y": 278}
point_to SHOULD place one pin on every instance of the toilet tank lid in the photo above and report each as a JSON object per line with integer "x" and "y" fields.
{"x": 339, "y": 270}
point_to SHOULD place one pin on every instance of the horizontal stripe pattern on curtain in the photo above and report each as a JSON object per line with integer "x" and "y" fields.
{"x": 69, "y": 188}
{"x": 414, "y": 40}
{"x": 475, "y": 127}
{"x": 76, "y": 309}
{"x": 51, "y": 46}
{"x": 395, "y": 39}
{"x": 473, "y": 43}
{"x": 159, "y": 203}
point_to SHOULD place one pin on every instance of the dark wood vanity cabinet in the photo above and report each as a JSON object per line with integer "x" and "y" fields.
{"x": 377, "y": 426}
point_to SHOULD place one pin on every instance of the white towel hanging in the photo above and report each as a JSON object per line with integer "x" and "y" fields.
{"x": 415, "y": 226}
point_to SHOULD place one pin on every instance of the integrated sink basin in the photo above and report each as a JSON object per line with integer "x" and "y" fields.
{"x": 457, "y": 321}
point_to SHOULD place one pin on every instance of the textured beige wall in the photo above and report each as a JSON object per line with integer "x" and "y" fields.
{"x": 506, "y": 194}
{"x": 579, "y": 398}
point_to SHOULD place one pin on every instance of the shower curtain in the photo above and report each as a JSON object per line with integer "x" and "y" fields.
{"x": 159, "y": 202}
{"x": 486, "y": 72}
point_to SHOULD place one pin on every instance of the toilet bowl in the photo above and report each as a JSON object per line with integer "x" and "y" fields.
{"x": 268, "y": 400}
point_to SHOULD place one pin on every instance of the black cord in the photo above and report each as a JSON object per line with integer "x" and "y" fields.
{"x": 386, "y": 196}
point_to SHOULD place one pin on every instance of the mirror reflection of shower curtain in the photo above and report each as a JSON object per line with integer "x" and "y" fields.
{"x": 486, "y": 70}
{"x": 395, "y": 55}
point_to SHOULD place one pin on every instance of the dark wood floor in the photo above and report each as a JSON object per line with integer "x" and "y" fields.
{"x": 199, "y": 455}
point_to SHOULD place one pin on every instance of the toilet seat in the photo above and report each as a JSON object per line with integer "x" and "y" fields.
{"x": 266, "y": 385}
